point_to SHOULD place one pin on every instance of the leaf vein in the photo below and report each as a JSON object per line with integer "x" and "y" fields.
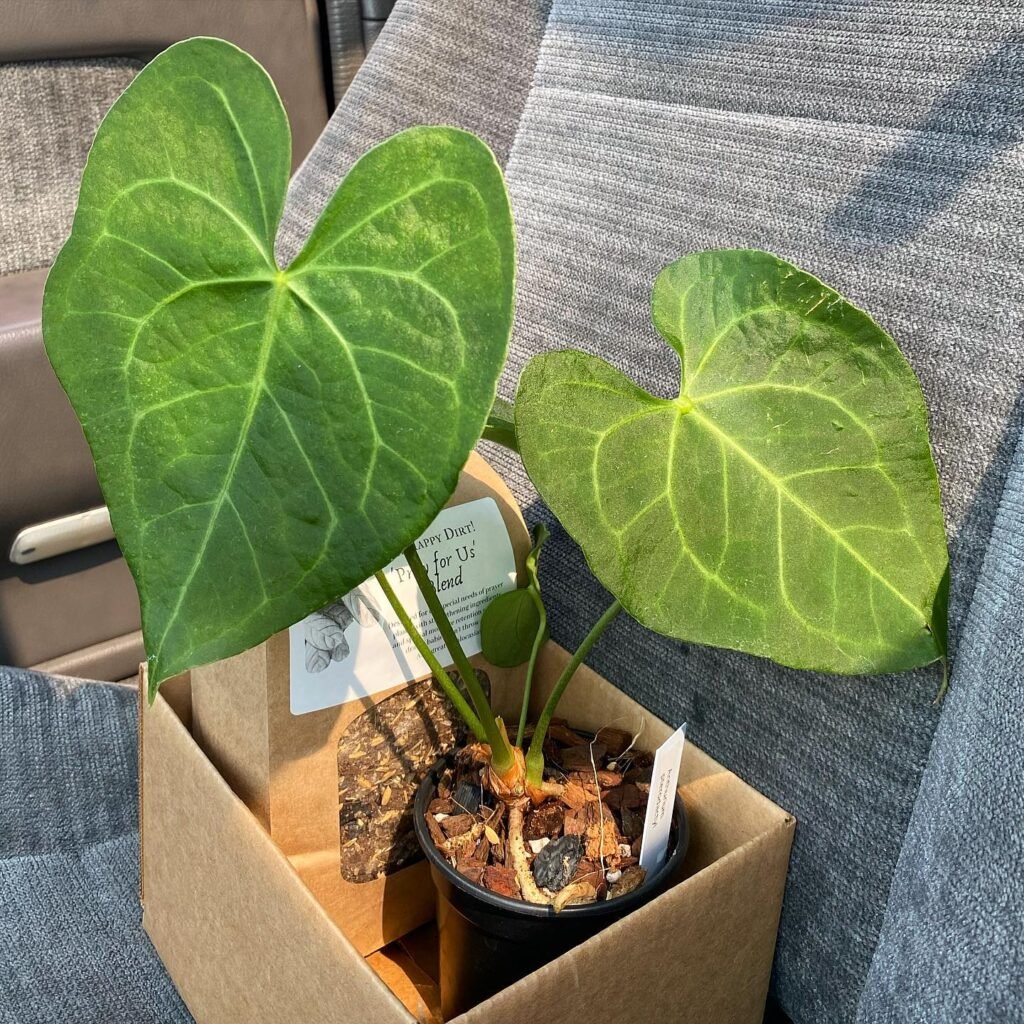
{"x": 780, "y": 486}
{"x": 186, "y": 186}
{"x": 248, "y": 152}
{"x": 735, "y": 322}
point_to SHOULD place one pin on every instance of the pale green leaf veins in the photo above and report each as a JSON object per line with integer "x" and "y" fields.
{"x": 267, "y": 438}
{"x": 784, "y": 504}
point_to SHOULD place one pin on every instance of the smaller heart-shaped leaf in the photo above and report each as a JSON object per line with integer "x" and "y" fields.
{"x": 508, "y": 627}
{"x": 784, "y": 504}
{"x": 511, "y": 622}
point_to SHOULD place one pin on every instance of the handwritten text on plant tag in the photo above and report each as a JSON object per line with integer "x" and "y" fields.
{"x": 357, "y": 646}
{"x": 662, "y": 801}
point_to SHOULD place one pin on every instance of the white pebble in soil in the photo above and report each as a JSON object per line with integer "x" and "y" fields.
{"x": 536, "y": 845}
{"x": 611, "y": 877}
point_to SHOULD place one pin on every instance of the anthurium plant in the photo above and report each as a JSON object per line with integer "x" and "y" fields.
{"x": 269, "y": 437}
{"x": 784, "y": 504}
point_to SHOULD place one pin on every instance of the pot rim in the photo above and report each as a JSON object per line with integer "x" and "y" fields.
{"x": 618, "y": 906}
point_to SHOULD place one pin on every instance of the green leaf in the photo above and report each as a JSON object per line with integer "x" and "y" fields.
{"x": 785, "y": 504}
{"x": 510, "y": 623}
{"x": 508, "y": 627}
{"x": 266, "y": 439}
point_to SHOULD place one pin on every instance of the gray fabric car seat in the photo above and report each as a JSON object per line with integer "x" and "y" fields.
{"x": 874, "y": 144}
{"x": 952, "y": 943}
{"x": 877, "y": 145}
{"x": 72, "y": 948}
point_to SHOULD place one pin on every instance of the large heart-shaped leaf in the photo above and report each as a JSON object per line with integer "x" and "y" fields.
{"x": 785, "y": 504}
{"x": 265, "y": 438}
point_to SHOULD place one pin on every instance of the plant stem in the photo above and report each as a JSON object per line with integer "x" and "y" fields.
{"x": 451, "y": 690}
{"x": 535, "y": 756}
{"x": 501, "y": 425}
{"x": 538, "y": 642}
{"x": 501, "y": 754}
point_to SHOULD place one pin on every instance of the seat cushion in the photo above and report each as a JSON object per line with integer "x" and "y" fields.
{"x": 72, "y": 946}
{"x": 51, "y": 112}
{"x": 952, "y": 945}
{"x": 873, "y": 144}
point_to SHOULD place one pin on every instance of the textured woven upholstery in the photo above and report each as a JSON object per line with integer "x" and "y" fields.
{"x": 876, "y": 144}
{"x": 49, "y": 114}
{"x": 952, "y": 945}
{"x": 72, "y": 948}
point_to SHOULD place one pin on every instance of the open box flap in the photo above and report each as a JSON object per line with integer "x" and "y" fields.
{"x": 241, "y": 936}
{"x": 245, "y": 940}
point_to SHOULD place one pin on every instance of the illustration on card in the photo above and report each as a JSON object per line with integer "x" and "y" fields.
{"x": 326, "y": 640}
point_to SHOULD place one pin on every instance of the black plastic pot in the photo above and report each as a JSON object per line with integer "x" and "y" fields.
{"x": 488, "y": 941}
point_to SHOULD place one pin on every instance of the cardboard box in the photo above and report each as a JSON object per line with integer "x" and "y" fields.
{"x": 246, "y": 941}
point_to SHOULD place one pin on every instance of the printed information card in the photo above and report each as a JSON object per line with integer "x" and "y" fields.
{"x": 662, "y": 801}
{"x": 357, "y": 646}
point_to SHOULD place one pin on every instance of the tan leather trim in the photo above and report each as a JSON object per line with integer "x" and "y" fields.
{"x": 283, "y": 35}
{"x": 110, "y": 661}
{"x": 65, "y": 604}
{"x": 45, "y": 466}
{"x": 21, "y": 299}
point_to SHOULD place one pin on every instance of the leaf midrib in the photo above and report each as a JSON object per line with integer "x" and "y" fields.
{"x": 259, "y": 377}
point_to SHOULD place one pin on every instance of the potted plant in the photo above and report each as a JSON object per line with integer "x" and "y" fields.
{"x": 784, "y": 504}
{"x": 268, "y": 438}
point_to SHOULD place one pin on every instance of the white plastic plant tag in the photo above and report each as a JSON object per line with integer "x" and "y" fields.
{"x": 661, "y": 801}
{"x": 356, "y": 646}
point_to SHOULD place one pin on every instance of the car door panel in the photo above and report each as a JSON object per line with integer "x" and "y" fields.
{"x": 61, "y": 66}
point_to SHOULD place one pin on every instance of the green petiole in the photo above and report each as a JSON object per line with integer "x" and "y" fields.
{"x": 501, "y": 753}
{"x": 540, "y": 536}
{"x": 535, "y": 755}
{"x": 451, "y": 690}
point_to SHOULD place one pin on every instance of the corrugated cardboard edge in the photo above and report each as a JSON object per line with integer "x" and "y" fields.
{"x": 233, "y": 966}
{"x": 225, "y": 726}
